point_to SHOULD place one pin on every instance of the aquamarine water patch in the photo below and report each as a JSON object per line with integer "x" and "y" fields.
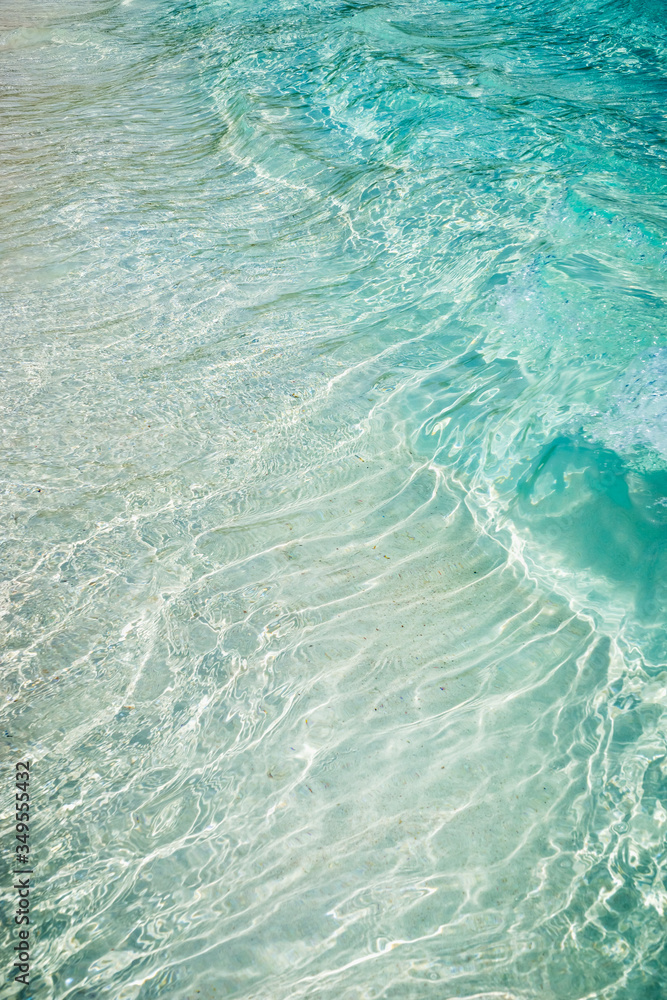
{"x": 333, "y": 496}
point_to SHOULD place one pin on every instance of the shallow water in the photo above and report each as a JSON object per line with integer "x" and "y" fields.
{"x": 335, "y": 496}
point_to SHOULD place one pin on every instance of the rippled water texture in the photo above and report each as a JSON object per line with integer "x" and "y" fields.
{"x": 334, "y": 511}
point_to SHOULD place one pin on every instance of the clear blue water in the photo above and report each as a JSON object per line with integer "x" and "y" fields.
{"x": 334, "y": 504}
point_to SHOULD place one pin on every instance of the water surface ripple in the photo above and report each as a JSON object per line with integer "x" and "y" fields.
{"x": 334, "y": 500}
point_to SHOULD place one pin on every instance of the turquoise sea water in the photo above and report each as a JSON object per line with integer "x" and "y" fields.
{"x": 334, "y": 501}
